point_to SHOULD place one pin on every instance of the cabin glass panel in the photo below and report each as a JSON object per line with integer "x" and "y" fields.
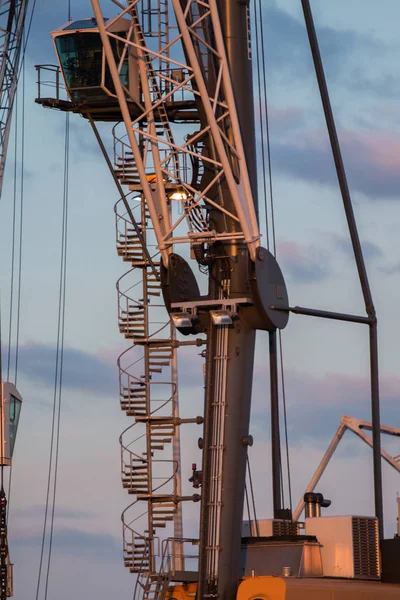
{"x": 81, "y": 59}
{"x": 15, "y": 410}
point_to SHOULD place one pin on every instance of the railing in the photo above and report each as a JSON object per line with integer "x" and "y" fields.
{"x": 169, "y": 555}
{"x": 55, "y": 82}
{"x": 166, "y": 570}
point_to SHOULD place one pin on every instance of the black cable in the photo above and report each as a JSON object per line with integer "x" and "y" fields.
{"x": 285, "y": 421}
{"x": 264, "y": 70}
{"x": 61, "y": 337}
{"x": 246, "y": 493}
{"x": 264, "y": 178}
{"x": 20, "y": 224}
{"x": 56, "y": 415}
{"x": 19, "y": 284}
{"x": 13, "y": 238}
{"x": 1, "y": 411}
{"x": 267, "y": 127}
{"x": 27, "y": 34}
{"x": 252, "y": 497}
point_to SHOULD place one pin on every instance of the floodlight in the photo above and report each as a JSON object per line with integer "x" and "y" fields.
{"x": 181, "y": 320}
{"x": 178, "y": 195}
{"x": 221, "y": 317}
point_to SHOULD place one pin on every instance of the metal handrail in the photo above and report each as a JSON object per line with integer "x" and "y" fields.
{"x": 56, "y": 84}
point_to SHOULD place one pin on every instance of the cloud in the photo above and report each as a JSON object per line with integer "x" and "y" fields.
{"x": 303, "y": 264}
{"x": 371, "y": 250}
{"x": 315, "y": 404}
{"x": 75, "y": 542}
{"x": 371, "y": 158}
{"x": 391, "y": 270}
{"x": 283, "y": 120}
{"x": 81, "y": 370}
{"x": 287, "y": 47}
{"x": 62, "y": 512}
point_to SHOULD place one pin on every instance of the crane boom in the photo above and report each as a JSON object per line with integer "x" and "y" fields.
{"x": 12, "y": 21}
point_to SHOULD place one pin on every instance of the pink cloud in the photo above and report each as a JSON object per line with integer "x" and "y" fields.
{"x": 303, "y": 263}
{"x": 372, "y": 160}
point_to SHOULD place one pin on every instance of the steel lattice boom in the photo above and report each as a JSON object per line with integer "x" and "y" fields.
{"x": 12, "y": 20}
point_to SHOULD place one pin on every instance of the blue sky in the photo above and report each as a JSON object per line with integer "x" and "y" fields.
{"x": 326, "y": 362}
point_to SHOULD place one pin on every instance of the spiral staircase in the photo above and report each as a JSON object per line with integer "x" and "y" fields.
{"x": 150, "y": 459}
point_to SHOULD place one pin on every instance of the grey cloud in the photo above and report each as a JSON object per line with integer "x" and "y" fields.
{"x": 62, "y": 512}
{"x": 81, "y": 370}
{"x": 303, "y": 264}
{"x": 287, "y": 44}
{"x": 312, "y": 162}
{"x": 76, "y": 542}
{"x": 391, "y": 269}
{"x": 305, "y": 273}
{"x": 315, "y": 404}
{"x": 371, "y": 250}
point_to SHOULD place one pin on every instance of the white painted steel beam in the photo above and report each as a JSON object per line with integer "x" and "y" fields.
{"x": 356, "y": 426}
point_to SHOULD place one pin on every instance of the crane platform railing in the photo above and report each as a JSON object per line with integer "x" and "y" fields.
{"x": 154, "y": 585}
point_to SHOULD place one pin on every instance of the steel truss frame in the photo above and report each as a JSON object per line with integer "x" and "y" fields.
{"x": 12, "y": 20}
{"x": 153, "y": 147}
{"x": 357, "y": 427}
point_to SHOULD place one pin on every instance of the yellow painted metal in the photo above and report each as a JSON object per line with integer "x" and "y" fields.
{"x": 277, "y": 588}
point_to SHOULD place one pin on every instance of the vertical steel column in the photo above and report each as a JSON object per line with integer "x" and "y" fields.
{"x": 219, "y": 569}
{"x": 146, "y": 351}
{"x": 398, "y": 516}
{"x": 275, "y": 429}
{"x": 376, "y": 424}
{"x": 358, "y": 255}
{"x": 234, "y": 22}
{"x": 178, "y": 559}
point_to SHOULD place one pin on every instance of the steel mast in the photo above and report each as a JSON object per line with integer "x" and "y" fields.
{"x": 230, "y": 355}
{"x": 12, "y": 21}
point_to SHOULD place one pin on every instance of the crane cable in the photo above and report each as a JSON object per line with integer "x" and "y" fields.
{"x": 267, "y": 163}
{"x": 48, "y": 525}
{"x": 16, "y": 239}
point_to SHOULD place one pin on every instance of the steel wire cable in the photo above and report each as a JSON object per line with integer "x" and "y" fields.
{"x": 14, "y": 223}
{"x": 267, "y": 128}
{"x": 263, "y": 100}
{"x": 246, "y": 494}
{"x": 61, "y": 333}
{"x": 58, "y": 379}
{"x": 27, "y": 34}
{"x": 285, "y": 419}
{"x": 1, "y": 413}
{"x": 253, "y": 500}
{"x": 20, "y": 250}
{"x": 259, "y": 88}
{"x": 21, "y": 229}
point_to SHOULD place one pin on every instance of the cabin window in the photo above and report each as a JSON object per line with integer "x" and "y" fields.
{"x": 15, "y": 409}
{"x": 81, "y": 56}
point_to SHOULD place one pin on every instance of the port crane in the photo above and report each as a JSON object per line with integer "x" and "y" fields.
{"x": 12, "y": 22}
{"x": 174, "y": 80}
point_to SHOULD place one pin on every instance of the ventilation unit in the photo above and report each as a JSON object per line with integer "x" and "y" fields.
{"x": 350, "y": 546}
{"x": 269, "y": 528}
